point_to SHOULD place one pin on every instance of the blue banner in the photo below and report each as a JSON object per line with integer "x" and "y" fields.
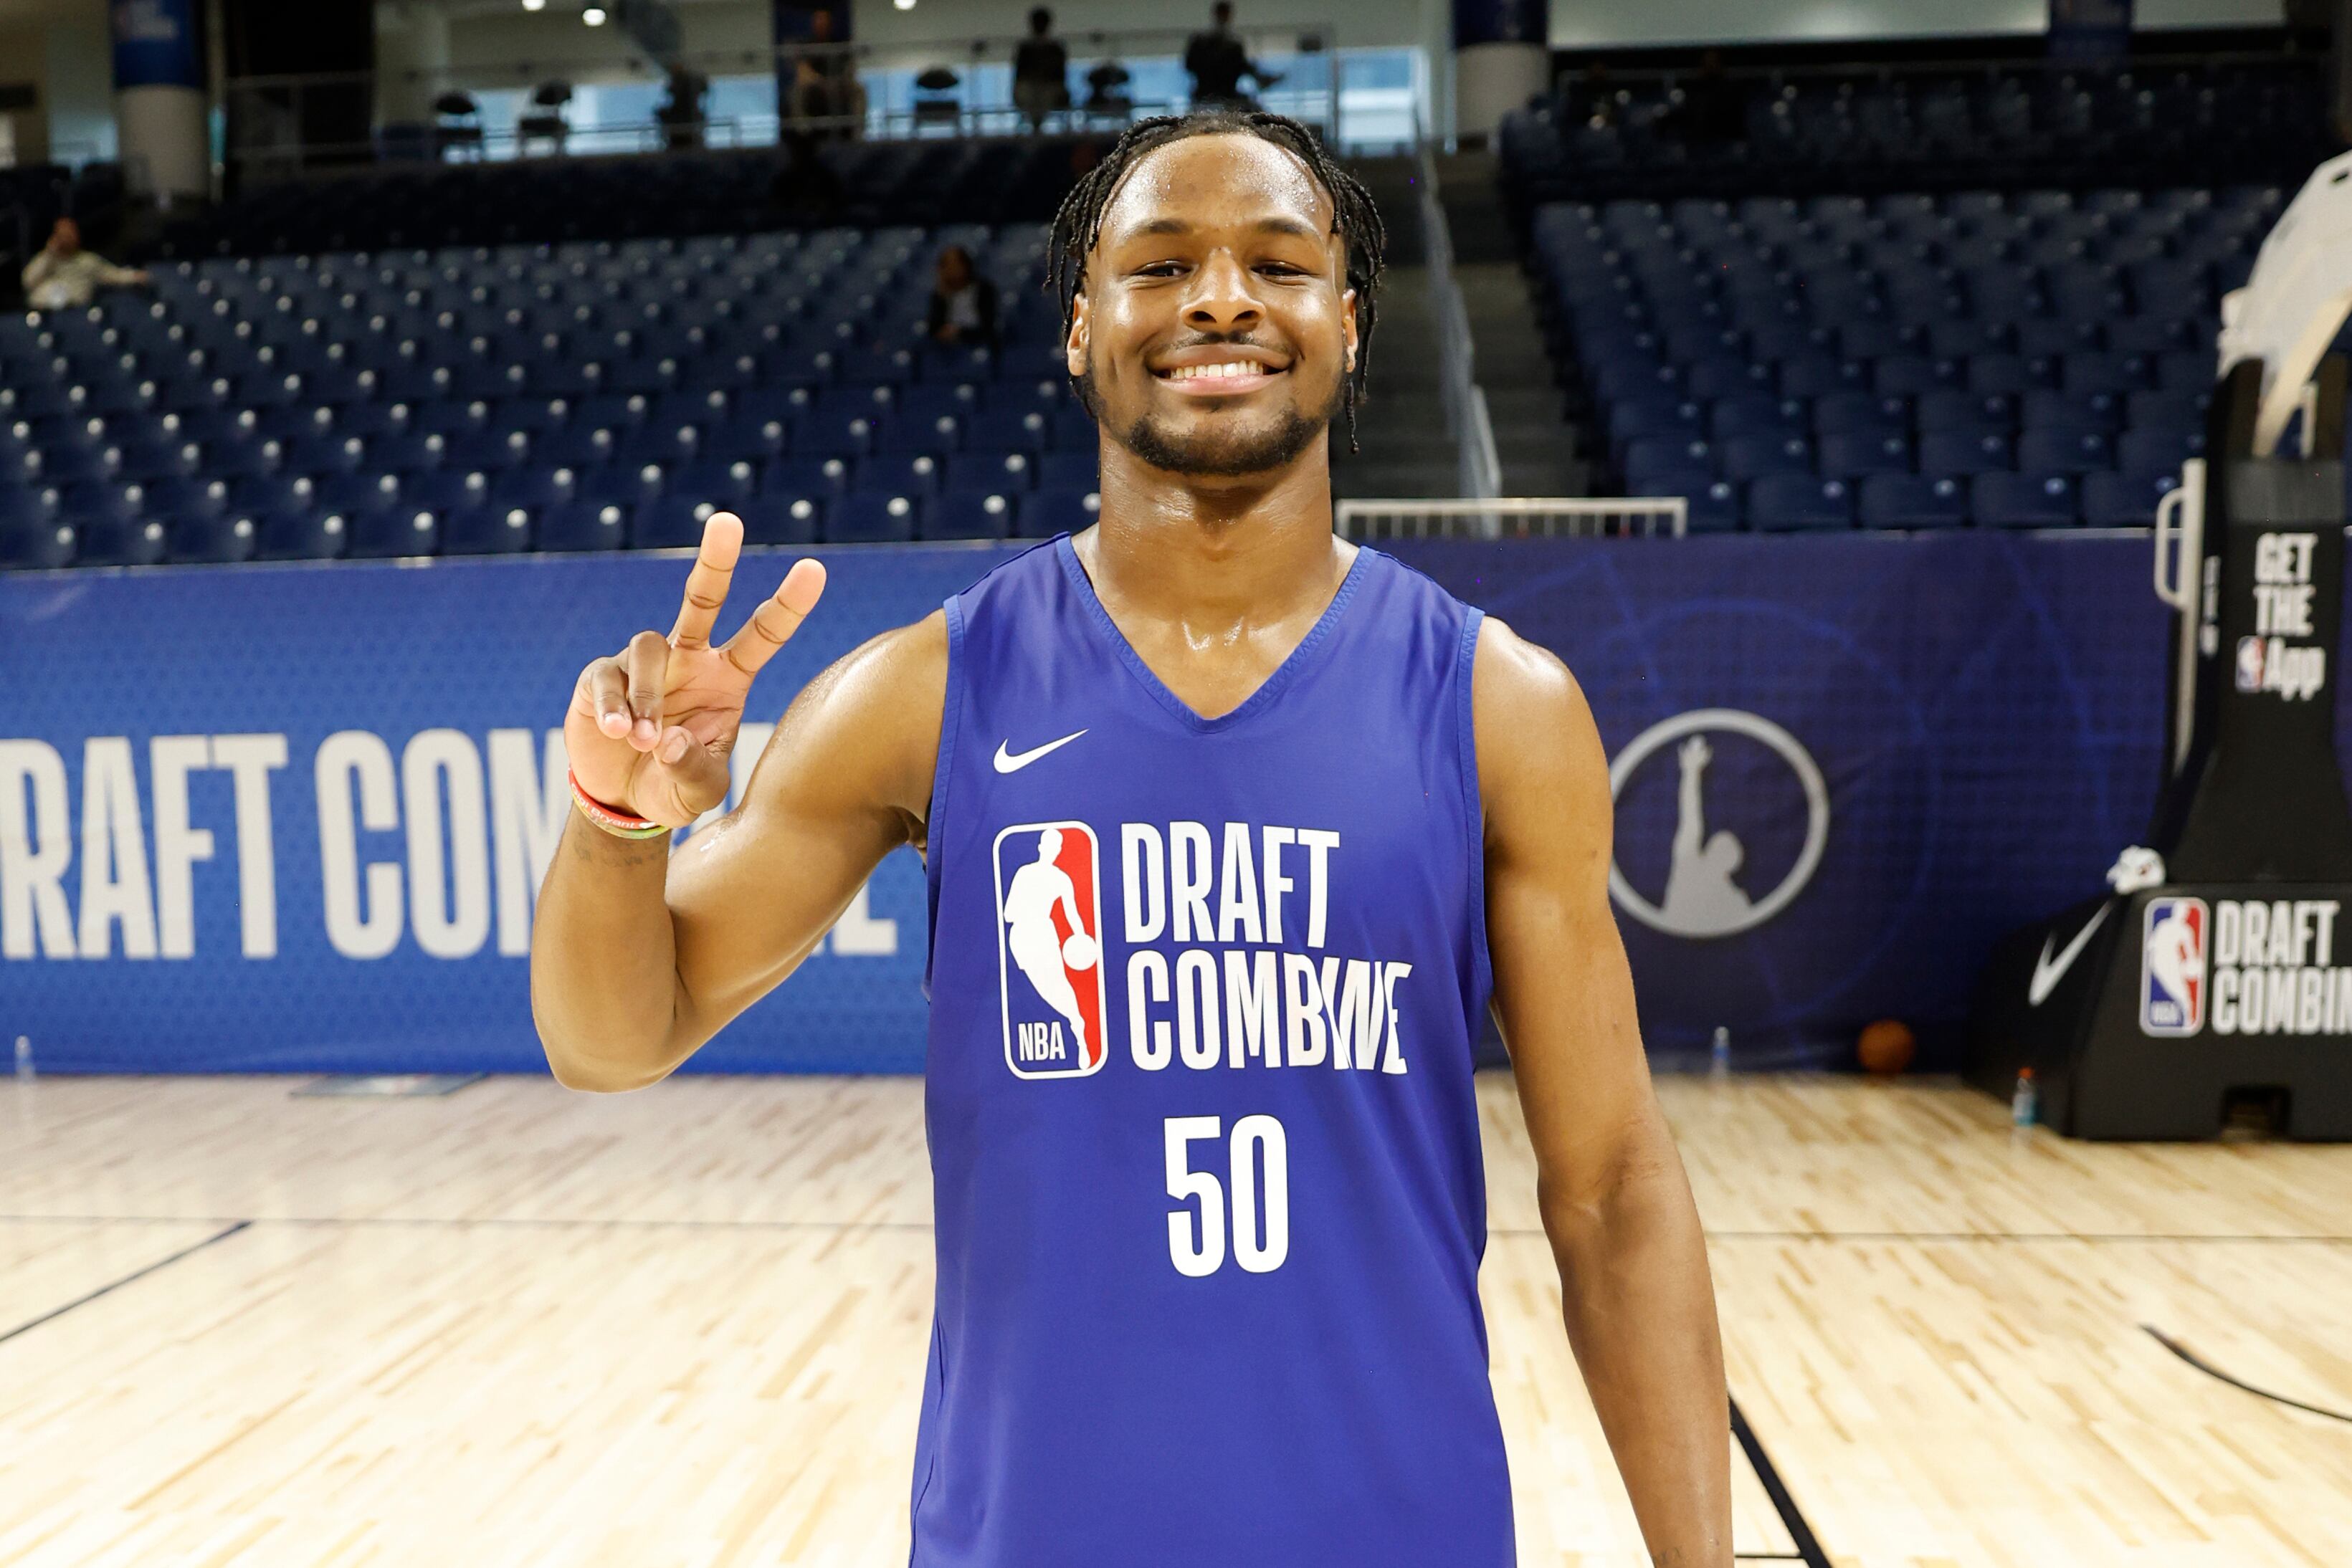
{"x": 292, "y": 818}
{"x": 157, "y": 43}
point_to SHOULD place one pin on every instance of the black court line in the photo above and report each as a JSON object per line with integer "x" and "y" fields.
{"x": 2210, "y": 1370}
{"x": 1809, "y": 1550}
{"x": 141, "y": 1274}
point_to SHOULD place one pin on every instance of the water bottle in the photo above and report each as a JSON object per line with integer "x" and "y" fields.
{"x": 24, "y": 1059}
{"x": 1719, "y": 1054}
{"x": 2023, "y": 1108}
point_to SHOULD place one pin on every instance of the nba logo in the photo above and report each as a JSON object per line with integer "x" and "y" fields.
{"x": 1049, "y": 950}
{"x": 2172, "y": 967}
{"x": 2250, "y": 663}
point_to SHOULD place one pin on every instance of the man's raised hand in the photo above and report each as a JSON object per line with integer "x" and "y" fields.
{"x": 651, "y": 728}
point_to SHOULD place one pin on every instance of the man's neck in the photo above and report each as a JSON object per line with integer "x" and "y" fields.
{"x": 1239, "y": 552}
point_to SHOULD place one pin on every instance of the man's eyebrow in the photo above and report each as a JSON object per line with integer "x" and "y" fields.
{"x": 1277, "y": 224}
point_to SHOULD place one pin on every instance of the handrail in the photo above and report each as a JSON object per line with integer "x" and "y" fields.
{"x": 1479, "y": 473}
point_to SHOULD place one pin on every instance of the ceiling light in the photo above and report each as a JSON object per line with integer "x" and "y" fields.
{"x": 593, "y": 16}
{"x": 534, "y": 5}
{"x": 904, "y": 5}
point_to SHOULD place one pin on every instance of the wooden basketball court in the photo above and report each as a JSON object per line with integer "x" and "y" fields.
{"x": 520, "y": 1326}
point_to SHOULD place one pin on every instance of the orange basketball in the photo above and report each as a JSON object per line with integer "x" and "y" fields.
{"x": 1885, "y": 1046}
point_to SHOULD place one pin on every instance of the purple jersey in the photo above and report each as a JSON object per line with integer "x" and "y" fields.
{"x": 1203, "y": 1140}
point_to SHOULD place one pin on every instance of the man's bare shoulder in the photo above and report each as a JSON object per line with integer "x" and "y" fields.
{"x": 865, "y": 733}
{"x": 1539, "y": 753}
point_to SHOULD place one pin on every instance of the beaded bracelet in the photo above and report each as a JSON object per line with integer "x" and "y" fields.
{"x": 620, "y": 824}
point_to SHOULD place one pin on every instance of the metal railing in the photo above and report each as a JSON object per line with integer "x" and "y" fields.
{"x": 1517, "y": 516}
{"x": 1480, "y": 473}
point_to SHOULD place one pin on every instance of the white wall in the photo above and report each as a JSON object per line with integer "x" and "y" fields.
{"x": 80, "y": 59}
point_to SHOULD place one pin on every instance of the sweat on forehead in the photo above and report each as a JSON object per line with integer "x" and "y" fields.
{"x": 1206, "y": 179}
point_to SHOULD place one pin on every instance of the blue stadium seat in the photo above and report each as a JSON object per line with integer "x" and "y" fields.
{"x": 2063, "y": 450}
{"x": 36, "y": 542}
{"x": 1861, "y": 414}
{"x": 1781, "y": 502}
{"x": 404, "y": 530}
{"x": 1913, "y": 501}
{"x": 2122, "y": 500}
{"x": 1852, "y": 456}
{"x": 492, "y": 529}
{"x": 214, "y": 538}
{"x": 1714, "y": 508}
{"x": 580, "y": 526}
{"x": 2023, "y": 500}
{"x": 119, "y": 540}
{"x": 302, "y": 533}
{"x": 871, "y": 517}
{"x": 1961, "y": 454}
{"x": 1056, "y": 511}
{"x": 783, "y": 519}
{"x": 989, "y": 473}
{"x": 968, "y": 515}
{"x": 1750, "y": 457}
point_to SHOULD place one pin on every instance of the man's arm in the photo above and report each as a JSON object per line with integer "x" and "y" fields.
{"x": 638, "y": 957}
{"x": 1615, "y": 1203}
{"x": 37, "y": 270}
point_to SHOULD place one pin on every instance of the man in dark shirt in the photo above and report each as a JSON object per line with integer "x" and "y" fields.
{"x": 1217, "y": 61}
{"x": 1041, "y": 71}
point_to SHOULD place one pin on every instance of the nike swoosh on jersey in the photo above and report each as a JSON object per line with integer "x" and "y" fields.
{"x": 1014, "y": 761}
{"x": 2046, "y": 975}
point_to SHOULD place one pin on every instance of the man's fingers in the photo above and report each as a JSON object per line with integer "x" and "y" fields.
{"x": 778, "y": 616}
{"x": 647, "y": 662}
{"x": 604, "y": 696}
{"x": 706, "y": 585}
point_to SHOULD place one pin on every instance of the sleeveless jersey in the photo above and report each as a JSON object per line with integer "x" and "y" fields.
{"x": 1204, "y": 1144}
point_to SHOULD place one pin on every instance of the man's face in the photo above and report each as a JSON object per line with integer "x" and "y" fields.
{"x": 1216, "y": 328}
{"x": 65, "y": 237}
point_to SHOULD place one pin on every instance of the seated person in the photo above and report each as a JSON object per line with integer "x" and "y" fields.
{"x": 964, "y": 303}
{"x": 64, "y": 277}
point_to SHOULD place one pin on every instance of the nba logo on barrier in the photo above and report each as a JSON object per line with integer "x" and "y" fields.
{"x": 2172, "y": 967}
{"x": 1049, "y": 950}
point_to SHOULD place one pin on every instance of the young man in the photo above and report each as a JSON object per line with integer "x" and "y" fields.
{"x": 1208, "y": 1197}
{"x": 64, "y": 277}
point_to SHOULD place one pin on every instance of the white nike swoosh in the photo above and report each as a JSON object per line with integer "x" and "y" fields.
{"x": 2046, "y": 975}
{"x": 1014, "y": 761}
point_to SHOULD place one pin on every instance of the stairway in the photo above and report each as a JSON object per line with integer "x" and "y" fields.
{"x": 1400, "y": 424}
{"x": 1536, "y": 438}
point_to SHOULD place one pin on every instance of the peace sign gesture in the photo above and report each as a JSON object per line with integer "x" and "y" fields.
{"x": 650, "y": 728}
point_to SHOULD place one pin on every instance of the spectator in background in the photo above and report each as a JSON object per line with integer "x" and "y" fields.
{"x": 824, "y": 83}
{"x": 64, "y": 277}
{"x": 1712, "y": 113}
{"x": 1041, "y": 71}
{"x": 1217, "y": 61}
{"x": 964, "y": 303}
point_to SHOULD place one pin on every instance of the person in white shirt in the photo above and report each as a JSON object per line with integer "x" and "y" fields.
{"x": 64, "y": 277}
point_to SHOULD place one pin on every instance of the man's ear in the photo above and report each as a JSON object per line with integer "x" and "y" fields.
{"x": 1074, "y": 350}
{"x": 1347, "y": 324}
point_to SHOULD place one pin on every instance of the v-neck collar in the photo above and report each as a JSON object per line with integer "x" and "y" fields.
{"x": 1293, "y": 663}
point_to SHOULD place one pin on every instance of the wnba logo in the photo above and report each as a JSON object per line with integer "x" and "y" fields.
{"x": 1049, "y": 948}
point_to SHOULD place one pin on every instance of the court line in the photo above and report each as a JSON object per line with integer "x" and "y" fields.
{"x": 2210, "y": 1370}
{"x": 141, "y": 1274}
{"x": 1809, "y": 1550}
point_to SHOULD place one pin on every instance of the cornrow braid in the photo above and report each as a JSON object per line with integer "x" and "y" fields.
{"x": 1077, "y": 226}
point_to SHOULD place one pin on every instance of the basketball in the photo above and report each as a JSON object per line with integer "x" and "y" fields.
{"x": 1080, "y": 952}
{"x": 1886, "y": 1048}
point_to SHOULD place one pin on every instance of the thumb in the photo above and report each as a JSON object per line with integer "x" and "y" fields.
{"x": 679, "y": 779}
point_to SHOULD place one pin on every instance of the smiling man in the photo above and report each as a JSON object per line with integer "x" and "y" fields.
{"x": 1209, "y": 1202}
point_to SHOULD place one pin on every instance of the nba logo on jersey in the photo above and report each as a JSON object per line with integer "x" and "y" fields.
{"x": 1049, "y": 948}
{"x": 2172, "y": 967}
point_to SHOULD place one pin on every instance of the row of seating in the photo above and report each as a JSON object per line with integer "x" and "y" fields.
{"x": 1713, "y": 354}
{"x": 1785, "y": 503}
{"x": 868, "y": 185}
{"x": 1998, "y": 123}
{"x": 494, "y": 528}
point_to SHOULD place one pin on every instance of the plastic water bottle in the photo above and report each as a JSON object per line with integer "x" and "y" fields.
{"x": 24, "y": 1059}
{"x": 2023, "y": 1108}
{"x": 1719, "y": 1055}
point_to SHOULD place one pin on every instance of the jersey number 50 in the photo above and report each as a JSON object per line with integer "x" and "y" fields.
{"x": 1259, "y": 1243}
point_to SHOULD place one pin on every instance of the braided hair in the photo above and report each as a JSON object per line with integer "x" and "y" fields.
{"x": 1079, "y": 224}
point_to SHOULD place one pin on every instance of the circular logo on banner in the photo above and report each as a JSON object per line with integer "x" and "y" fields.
{"x": 1703, "y": 896}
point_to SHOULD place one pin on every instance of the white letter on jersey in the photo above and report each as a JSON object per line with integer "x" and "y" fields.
{"x": 1251, "y": 1029}
{"x": 1393, "y": 1060}
{"x": 1189, "y": 872}
{"x": 1237, "y": 889}
{"x": 1196, "y": 1005}
{"x": 1302, "y": 1011}
{"x": 1277, "y": 884}
{"x": 1143, "y": 872}
{"x": 1319, "y": 844}
{"x": 1148, "y": 1042}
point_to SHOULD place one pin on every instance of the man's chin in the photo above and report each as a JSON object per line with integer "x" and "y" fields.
{"x": 1224, "y": 454}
